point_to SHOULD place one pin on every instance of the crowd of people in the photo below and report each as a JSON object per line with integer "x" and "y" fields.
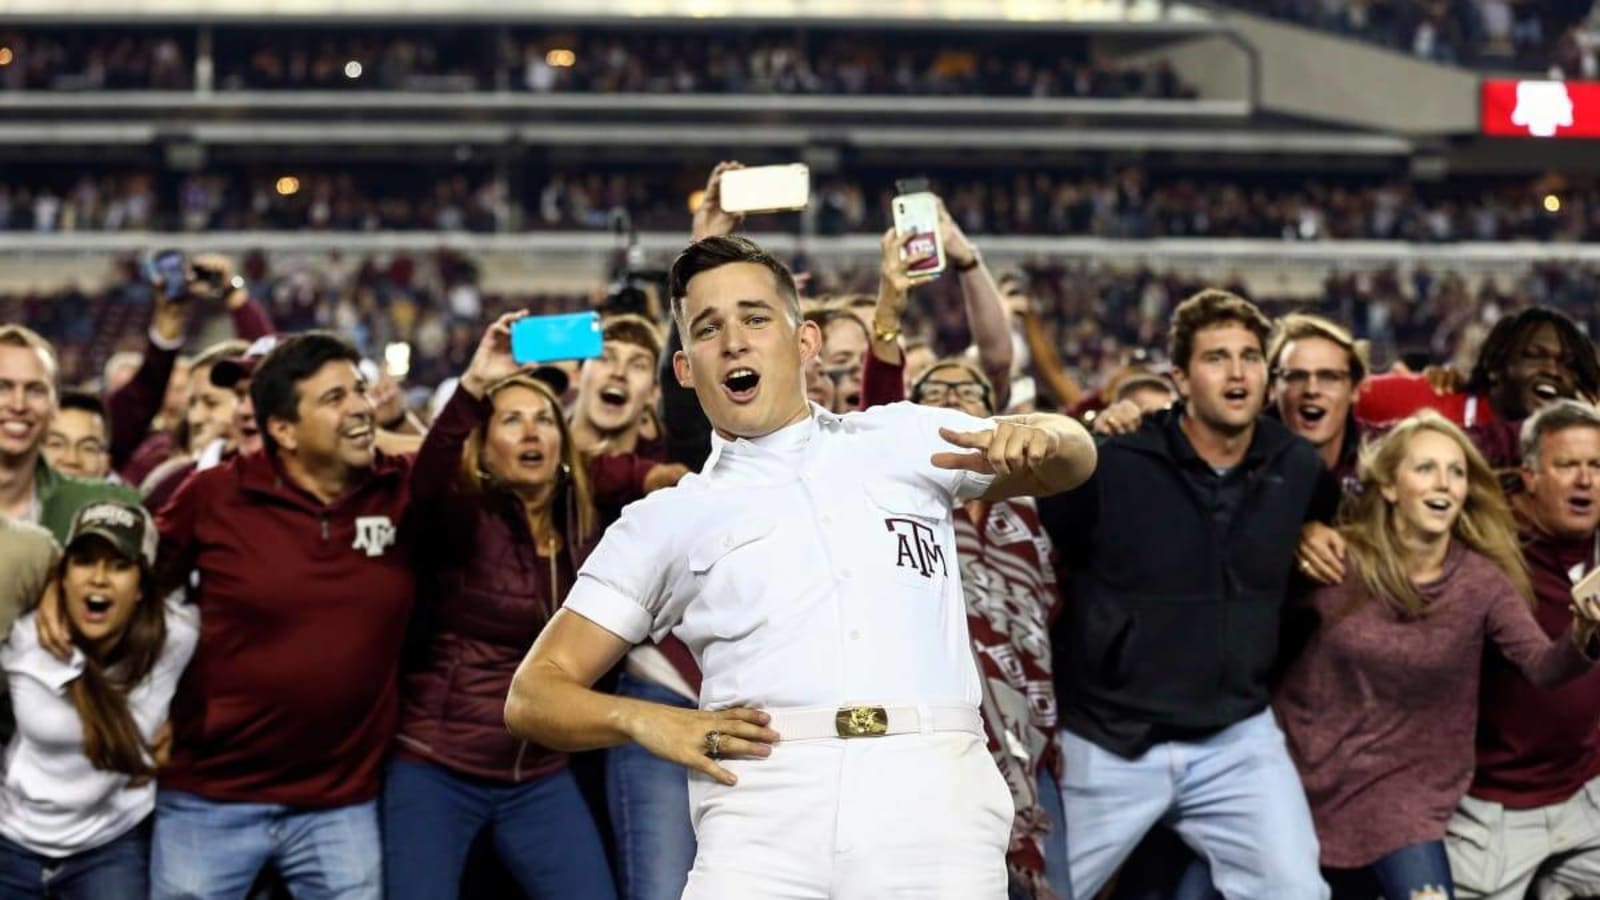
{"x": 567, "y": 60}
{"x": 270, "y": 620}
{"x": 127, "y": 59}
{"x": 1530, "y": 34}
{"x": 1125, "y": 202}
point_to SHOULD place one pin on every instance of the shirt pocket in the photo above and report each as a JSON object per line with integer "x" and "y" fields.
{"x": 911, "y": 541}
{"x": 733, "y": 566}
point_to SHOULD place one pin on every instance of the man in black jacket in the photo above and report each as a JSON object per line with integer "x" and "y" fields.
{"x": 1180, "y": 549}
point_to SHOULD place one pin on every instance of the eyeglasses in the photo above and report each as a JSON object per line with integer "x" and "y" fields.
{"x": 934, "y": 391}
{"x": 1301, "y": 377}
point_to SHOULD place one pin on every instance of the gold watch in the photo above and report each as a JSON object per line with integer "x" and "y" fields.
{"x": 885, "y": 335}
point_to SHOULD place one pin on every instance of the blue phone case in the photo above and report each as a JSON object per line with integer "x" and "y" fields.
{"x": 538, "y": 339}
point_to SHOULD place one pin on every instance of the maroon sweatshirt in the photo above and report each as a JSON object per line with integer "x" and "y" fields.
{"x": 1539, "y": 746}
{"x": 1378, "y": 712}
{"x": 291, "y": 697}
{"x": 135, "y": 450}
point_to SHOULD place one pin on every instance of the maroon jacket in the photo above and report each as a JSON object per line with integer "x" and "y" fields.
{"x": 291, "y": 696}
{"x": 1539, "y": 746}
{"x": 135, "y": 450}
{"x": 485, "y": 595}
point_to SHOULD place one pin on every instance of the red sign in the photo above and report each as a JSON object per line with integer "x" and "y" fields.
{"x": 1541, "y": 109}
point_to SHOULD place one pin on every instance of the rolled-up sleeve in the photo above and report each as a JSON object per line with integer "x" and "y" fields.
{"x": 624, "y": 584}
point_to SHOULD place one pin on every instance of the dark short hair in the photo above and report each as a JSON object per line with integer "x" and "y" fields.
{"x": 1205, "y": 309}
{"x": 275, "y": 388}
{"x": 714, "y": 253}
{"x": 1507, "y": 335}
{"x": 84, "y": 401}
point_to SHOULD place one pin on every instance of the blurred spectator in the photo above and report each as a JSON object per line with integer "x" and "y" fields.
{"x": 77, "y": 441}
{"x": 97, "y": 60}
{"x": 1526, "y": 33}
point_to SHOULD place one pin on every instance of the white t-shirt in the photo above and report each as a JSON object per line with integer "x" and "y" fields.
{"x": 815, "y": 566}
{"x": 54, "y": 802}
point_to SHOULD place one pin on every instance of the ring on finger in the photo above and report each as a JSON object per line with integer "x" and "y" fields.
{"x": 713, "y": 742}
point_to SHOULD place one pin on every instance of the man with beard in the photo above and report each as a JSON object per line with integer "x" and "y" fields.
{"x": 1528, "y": 360}
{"x": 30, "y": 490}
{"x": 1179, "y": 550}
{"x": 809, "y": 567}
{"x": 1530, "y": 817}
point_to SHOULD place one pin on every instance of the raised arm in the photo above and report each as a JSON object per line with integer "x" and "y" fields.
{"x": 132, "y": 407}
{"x": 1031, "y": 455}
{"x": 986, "y": 308}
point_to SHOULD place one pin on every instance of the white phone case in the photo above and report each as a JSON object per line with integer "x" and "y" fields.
{"x": 916, "y": 221}
{"x": 766, "y": 189}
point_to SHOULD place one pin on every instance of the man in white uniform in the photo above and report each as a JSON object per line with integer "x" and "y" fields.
{"x": 837, "y": 751}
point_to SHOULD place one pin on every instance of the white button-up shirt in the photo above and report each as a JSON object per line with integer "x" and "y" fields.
{"x": 815, "y": 566}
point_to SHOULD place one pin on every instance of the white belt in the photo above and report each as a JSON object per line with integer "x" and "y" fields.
{"x": 814, "y": 723}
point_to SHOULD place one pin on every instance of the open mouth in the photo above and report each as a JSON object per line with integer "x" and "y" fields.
{"x": 741, "y": 384}
{"x": 1580, "y": 504}
{"x": 1546, "y": 391}
{"x": 614, "y": 396}
{"x": 853, "y": 401}
{"x": 97, "y": 605}
{"x": 1438, "y": 504}
{"x": 360, "y": 433}
{"x": 531, "y": 458}
{"x": 1235, "y": 395}
{"x": 1312, "y": 414}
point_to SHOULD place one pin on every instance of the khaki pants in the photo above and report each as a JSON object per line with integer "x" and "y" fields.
{"x": 1548, "y": 853}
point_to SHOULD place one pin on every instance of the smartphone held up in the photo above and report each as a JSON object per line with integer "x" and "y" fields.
{"x": 169, "y": 269}
{"x": 916, "y": 221}
{"x": 766, "y": 189}
{"x": 541, "y": 339}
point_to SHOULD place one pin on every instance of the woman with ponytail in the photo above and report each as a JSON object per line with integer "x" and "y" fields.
{"x": 79, "y": 782}
{"x": 1379, "y": 710}
{"x": 504, "y": 499}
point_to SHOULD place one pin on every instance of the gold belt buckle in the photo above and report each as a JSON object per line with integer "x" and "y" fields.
{"x": 861, "y": 721}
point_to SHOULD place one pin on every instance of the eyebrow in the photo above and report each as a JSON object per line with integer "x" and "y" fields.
{"x": 742, "y": 304}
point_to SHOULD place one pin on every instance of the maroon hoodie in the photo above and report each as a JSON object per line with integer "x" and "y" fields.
{"x": 291, "y": 697}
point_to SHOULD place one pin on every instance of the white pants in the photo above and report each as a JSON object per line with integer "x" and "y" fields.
{"x": 923, "y": 816}
{"x": 1497, "y": 853}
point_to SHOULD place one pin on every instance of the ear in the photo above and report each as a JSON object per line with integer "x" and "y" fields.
{"x": 1389, "y": 494}
{"x": 283, "y": 433}
{"x": 1527, "y": 479}
{"x": 681, "y": 369}
{"x": 810, "y": 337}
{"x": 1182, "y": 381}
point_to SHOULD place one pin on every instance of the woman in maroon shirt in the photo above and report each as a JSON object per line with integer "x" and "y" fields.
{"x": 504, "y": 500}
{"x": 1379, "y": 710}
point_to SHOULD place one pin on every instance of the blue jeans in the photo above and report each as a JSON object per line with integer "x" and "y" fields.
{"x": 1235, "y": 796}
{"x": 542, "y": 832}
{"x": 1397, "y": 875}
{"x": 117, "y": 870}
{"x": 649, "y": 802}
{"x": 205, "y": 848}
{"x": 1055, "y": 843}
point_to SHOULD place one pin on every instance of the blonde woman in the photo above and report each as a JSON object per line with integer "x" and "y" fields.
{"x": 1379, "y": 710}
{"x": 503, "y": 497}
